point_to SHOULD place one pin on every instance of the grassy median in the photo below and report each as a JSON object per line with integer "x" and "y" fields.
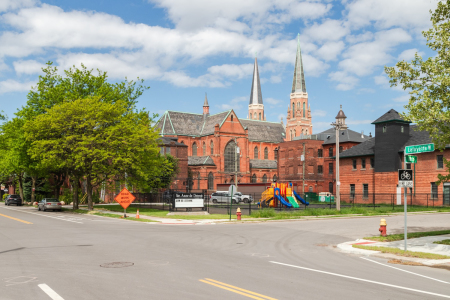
{"x": 411, "y": 235}
{"x": 400, "y": 252}
{"x": 443, "y": 242}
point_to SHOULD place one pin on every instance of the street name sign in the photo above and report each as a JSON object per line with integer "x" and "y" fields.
{"x": 124, "y": 198}
{"x": 411, "y": 159}
{"x": 405, "y": 178}
{"x": 419, "y": 148}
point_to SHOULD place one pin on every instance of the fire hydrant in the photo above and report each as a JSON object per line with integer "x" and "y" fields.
{"x": 383, "y": 227}
{"x": 238, "y": 213}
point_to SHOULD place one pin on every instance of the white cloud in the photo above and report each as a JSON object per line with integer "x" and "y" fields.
{"x": 345, "y": 81}
{"x": 330, "y": 50}
{"x": 329, "y": 30}
{"x": 11, "y": 85}
{"x": 363, "y": 37}
{"x": 409, "y": 54}
{"x": 272, "y": 101}
{"x": 404, "y": 98}
{"x": 234, "y": 71}
{"x": 381, "y": 80}
{"x": 234, "y": 104}
{"x": 28, "y": 66}
{"x": 275, "y": 79}
{"x": 318, "y": 113}
{"x": 6, "y": 5}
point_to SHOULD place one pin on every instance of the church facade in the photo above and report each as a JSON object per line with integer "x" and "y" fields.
{"x": 223, "y": 148}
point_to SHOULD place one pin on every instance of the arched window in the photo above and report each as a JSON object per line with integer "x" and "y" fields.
{"x": 182, "y": 142}
{"x": 204, "y": 149}
{"x": 266, "y": 153}
{"x": 231, "y": 118}
{"x": 304, "y": 108}
{"x": 275, "y": 153}
{"x": 293, "y": 109}
{"x": 295, "y": 132}
{"x": 291, "y": 136}
{"x": 254, "y": 116}
{"x": 230, "y": 158}
{"x": 341, "y": 149}
{"x": 330, "y": 152}
{"x": 194, "y": 149}
{"x": 306, "y": 131}
{"x": 260, "y": 116}
{"x": 212, "y": 147}
{"x": 255, "y": 153}
{"x": 275, "y": 178}
{"x": 254, "y": 178}
{"x": 210, "y": 181}
{"x": 264, "y": 179}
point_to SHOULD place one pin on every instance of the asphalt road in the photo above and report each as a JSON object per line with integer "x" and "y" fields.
{"x": 59, "y": 256}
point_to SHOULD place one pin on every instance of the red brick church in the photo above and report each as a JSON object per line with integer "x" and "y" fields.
{"x": 212, "y": 139}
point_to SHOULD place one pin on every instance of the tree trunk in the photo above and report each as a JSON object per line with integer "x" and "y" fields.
{"x": 21, "y": 186}
{"x": 89, "y": 192}
{"x": 33, "y": 189}
{"x": 75, "y": 192}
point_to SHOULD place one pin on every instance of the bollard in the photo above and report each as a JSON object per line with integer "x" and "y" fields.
{"x": 382, "y": 227}
{"x": 238, "y": 213}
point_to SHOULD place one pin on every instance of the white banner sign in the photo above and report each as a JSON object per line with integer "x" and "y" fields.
{"x": 405, "y": 184}
{"x": 181, "y": 203}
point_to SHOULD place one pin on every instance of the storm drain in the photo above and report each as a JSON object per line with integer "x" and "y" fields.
{"x": 117, "y": 265}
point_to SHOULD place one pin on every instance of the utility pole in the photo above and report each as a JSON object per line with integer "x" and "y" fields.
{"x": 338, "y": 125}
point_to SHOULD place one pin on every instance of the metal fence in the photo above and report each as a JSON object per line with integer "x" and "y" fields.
{"x": 164, "y": 201}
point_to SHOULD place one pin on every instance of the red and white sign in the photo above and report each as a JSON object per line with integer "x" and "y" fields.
{"x": 125, "y": 198}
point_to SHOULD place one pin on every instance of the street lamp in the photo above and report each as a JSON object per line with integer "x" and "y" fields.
{"x": 338, "y": 125}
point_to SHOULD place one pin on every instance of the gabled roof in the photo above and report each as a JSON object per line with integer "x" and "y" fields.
{"x": 263, "y": 164}
{"x": 347, "y": 135}
{"x": 363, "y": 149}
{"x": 391, "y": 116}
{"x": 169, "y": 141}
{"x": 263, "y": 131}
{"x": 200, "y": 161}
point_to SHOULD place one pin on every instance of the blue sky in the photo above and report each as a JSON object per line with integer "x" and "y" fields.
{"x": 186, "y": 48}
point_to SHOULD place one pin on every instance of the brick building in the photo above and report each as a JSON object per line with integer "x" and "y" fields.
{"x": 170, "y": 145}
{"x": 317, "y": 171}
{"x": 369, "y": 171}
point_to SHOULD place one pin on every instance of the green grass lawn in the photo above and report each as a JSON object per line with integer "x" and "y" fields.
{"x": 411, "y": 235}
{"x": 443, "y": 242}
{"x": 400, "y": 252}
{"x": 365, "y": 211}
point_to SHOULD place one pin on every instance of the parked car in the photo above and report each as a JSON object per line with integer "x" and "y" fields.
{"x": 13, "y": 199}
{"x": 223, "y": 197}
{"x": 243, "y": 198}
{"x": 49, "y": 204}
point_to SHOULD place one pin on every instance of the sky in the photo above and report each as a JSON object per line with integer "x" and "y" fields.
{"x": 184, "y": 49}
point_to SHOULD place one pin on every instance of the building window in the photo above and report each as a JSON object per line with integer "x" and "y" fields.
{"x": 352, "y": 190}
{"x": 264, "y": 179}
{"x": 212, "y": 147}
{"x": 295, "y": 133}
{"x": 255, "y": 153}
{"x": 319, "y": 169}
{"x": 330, "y": 168}
{"x": 341, "y": 149}
{"x": 231, "y": 118}
{"x": 210, "y": 181}
{"x": 363, "y": 163}
{"x": 330, "y": 152}
{"x": 304, "y": 108}
{"x": 354, "y": 164}
{"x": 434, "y": 190}
{"x": 254, "y": 178}
{"x": 408, "y": 166}
{"x": 194, "y": 149}
{"x": 293, "y": 109}
{"x": 274, "y": 178}
{"x": 260, "y": 116}
{"x": 384, "y": 128}
{"x": 330, "y": 187}
{"x": 231, "y": 158}
{"x": 167, "y": 150}
{"x": 204, "y": 149}
{"x": 254, "y": 116}
{"x": 320, "y": 153}
{"x": 365, "y": 191}
{"x": 372, "y": 162}
{"x": 306, "y": 131}
{"x": 402, "y": 129}
{"x": 440, "y": 161}
{"x": 161, "y": 150}
{"x": 266, "y": 153}
{"x": 275, "y": 153}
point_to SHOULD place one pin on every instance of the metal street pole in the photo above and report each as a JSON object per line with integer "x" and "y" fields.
{"x": 338, "y": 184}
{"x": 405, "y": 205}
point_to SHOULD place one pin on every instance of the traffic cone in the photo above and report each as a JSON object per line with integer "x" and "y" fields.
{"x": 137, "y": 214}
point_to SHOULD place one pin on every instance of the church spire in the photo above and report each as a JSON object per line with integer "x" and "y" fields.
{"x": 298, "y": 84}
{"x": 206, "y": 101}
{"x": 255, "y": 94}
{"x": 205, "y": 107}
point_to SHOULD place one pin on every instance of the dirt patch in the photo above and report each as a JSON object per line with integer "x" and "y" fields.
{"x": 404, "y": 262}
{"x": 443, "y": 266}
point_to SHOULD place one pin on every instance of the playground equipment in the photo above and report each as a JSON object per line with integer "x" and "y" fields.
{"x": 280, "y": 193}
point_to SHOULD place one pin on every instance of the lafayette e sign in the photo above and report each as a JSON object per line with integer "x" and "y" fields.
{"x": 419, "y": 148}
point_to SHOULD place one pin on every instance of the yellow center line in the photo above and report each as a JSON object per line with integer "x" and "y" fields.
{"x": 235, "y": 289}
{"x": 26, "y": 222}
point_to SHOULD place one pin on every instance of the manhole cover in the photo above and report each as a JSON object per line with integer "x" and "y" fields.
{"x": 117, "y": 265}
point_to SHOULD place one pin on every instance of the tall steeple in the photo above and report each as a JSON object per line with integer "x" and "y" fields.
{"x": 256, "y": 106}
{"x": 205, "y": 107}
{"x": 298, "y": 84}
{"x": 299, "y": 111}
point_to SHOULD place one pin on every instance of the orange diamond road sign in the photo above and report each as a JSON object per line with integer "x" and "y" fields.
{"x": 125, "y": 198}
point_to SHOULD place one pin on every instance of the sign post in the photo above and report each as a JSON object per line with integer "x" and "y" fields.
{"x": 231, "y": 191}
{"x": 124, "y": 198}
{"x": 405, "y": 177}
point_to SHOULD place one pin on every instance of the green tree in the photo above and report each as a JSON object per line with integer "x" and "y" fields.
{"x": 97, "y": 140}
{"x": 428, "y": 81}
